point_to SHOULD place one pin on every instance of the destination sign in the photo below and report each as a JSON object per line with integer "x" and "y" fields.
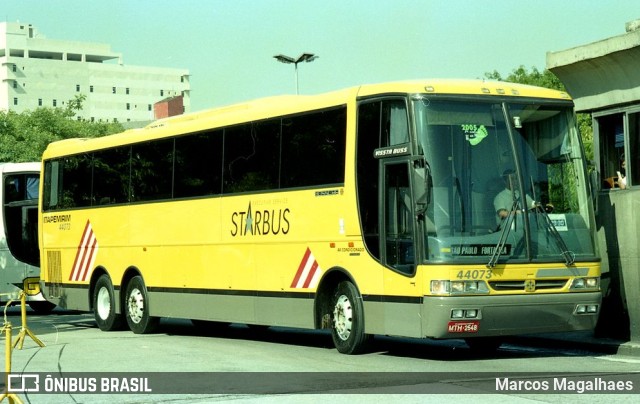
{"x": 478, "y": 249}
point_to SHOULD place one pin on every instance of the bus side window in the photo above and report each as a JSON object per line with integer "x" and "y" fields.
{"x": 396, "y": 126}
{"x": 111, "y": 179}
{"x": 11, "y": 190}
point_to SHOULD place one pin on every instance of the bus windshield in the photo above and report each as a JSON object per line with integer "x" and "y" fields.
{"x": 506, "y": 182}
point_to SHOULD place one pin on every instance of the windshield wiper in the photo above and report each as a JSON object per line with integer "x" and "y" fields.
{"x": 569, "y": 256}
{"x": 506, "y": 228}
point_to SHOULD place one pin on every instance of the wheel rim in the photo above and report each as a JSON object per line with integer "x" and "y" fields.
{"x": 136, "y": 305}
{"x": 343, "y": 317}
{"x": 103, "y": 303}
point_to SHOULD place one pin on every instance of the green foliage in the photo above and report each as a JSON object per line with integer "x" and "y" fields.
{"x": 562, "y": 178}
{"x": 75, "y": 105}
{"x": 549, "y": 80}
{"x": 24, "y": 136}
{"x": 534, "y": 78}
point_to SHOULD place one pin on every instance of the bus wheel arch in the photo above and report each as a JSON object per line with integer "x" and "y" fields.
{"x": 103, "y": 301}
{"x": 326, "y": 288}
{"x": 135, "y": 303}
{"x": 339, "y": 307}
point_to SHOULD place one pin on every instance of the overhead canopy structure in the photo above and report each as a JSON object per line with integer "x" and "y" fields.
{"x": 601, "y": 74}
{"x": 603, "y": 78}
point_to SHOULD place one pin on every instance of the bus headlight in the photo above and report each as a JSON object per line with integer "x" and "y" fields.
{"x": 440, "y": 287}
{"x": 446, "y": 287}
{"x": 585, "y": 283}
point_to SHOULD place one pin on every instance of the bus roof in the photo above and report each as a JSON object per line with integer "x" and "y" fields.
{"x": 462, "y": 87}
{"x": 20, "y": 167}
{"x": 269, "y": 107}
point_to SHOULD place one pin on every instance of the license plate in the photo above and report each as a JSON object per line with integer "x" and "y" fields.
{"x": 463, "y": 326}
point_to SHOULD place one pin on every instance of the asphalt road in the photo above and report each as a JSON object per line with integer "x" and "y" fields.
{"x": 183, "y": 363}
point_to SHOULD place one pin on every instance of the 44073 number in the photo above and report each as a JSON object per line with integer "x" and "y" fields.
{"x": 475, "y": 274}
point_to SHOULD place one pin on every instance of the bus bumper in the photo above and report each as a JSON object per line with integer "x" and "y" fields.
{"x": 490, "y": 316}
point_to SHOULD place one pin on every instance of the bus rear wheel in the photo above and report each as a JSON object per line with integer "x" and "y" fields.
{"x": 104, "y": 305}
{"x": 137, "y": 308}
{"x": 347, "y": 328}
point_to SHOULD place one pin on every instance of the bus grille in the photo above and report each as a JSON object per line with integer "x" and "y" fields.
{"x": 54, "y": 273}
{"x": 520, "y": 285}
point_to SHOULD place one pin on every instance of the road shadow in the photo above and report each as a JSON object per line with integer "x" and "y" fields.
{"x": 57, "y": 321}
{"x": 61, "y": 321}
{"x": 428, "y": 349}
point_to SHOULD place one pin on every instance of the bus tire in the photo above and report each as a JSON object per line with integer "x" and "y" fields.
{"x": 347, "y": 329}
{"x": 104, "y": 305}
{"x": 136, "y": 308}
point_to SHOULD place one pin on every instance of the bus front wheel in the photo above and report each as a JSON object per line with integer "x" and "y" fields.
{"x": 347, "y": 328}
{"x": 104, "y": 305}
{"x": 137, "y": 308}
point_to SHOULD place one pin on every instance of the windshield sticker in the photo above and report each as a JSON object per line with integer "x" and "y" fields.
{"x": 559, "y": 221}
{"x": 474, "y": 133}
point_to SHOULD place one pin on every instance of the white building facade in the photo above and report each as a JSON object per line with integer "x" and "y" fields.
{"x": 40, "y": 72}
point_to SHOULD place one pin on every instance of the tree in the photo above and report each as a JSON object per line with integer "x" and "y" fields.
{"x": 549, "y": 80}
{"x": 75, "y": 105}
{"x": 534, "y": 78}
{"x": 24, "y": 136}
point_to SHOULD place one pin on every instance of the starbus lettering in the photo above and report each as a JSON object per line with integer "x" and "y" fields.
{"x": 260, "y": 222}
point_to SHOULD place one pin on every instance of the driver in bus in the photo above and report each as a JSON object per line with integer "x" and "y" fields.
{"x": 503, "y": 202}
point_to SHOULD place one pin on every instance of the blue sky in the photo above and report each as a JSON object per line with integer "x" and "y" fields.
{"x": 228, "y": 45}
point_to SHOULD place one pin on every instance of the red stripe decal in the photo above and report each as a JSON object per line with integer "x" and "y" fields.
{"x": 312, "y": 272}
{"x": 303, "y": 263}
{"x": 75, "y": 262}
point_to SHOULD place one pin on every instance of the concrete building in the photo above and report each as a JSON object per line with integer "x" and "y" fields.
{"x": 40, "y": 72}
{"x": 604, "y": 80}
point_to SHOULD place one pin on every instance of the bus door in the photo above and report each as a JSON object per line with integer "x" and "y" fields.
{"x": 397, "y": 246}
{"x": 20, "y": 211}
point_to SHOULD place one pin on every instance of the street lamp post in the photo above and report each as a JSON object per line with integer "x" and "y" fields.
{"x": 305, "y": 57}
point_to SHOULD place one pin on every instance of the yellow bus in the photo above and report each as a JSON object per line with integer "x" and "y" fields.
{"x": 371, "y": 210}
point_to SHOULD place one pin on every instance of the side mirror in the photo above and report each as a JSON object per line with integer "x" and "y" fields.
{"x": 424, "y": 184}
{"x": 428, "y": 183}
